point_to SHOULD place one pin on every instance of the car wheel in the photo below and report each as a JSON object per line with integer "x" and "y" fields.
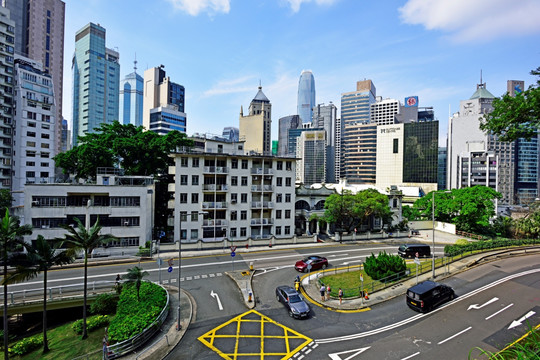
{"x": 324, "y": 266}
{"x": 452, "y": 296}
{"x": 290, "y": 313}
{"x": 277, "y": 298}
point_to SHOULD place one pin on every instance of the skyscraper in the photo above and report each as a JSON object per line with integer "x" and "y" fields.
{"x": 7, "y": 52}
{"x": 96, "y": 81}
{"x": 131, "y": 98}
{"x": 306, "y": 96}
{"x": 255, "y": 128}
{"x": 311, "y": 152}
{"x": 163, "y": 103}
{"x": 355, "y": 113}
{"x": 324, "y": 117}
{"x": 286, "y": 123}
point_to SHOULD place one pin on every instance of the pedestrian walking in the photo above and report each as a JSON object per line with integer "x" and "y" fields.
{"x": 322, "y": 290}
{"x": 328, "y": 289}
{"x": 340, "y": 295}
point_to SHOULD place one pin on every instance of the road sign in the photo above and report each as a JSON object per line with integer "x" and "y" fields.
{"x": 169, "y": 269}
{"x": 233, "y": 249}
{"x": 309, "y": 267}
{"x": 361, "y": 277}
{"x": 233, "y": 254}
{"x": 416, "y": 261}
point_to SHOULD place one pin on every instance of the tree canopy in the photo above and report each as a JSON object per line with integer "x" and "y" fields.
{"x": 137, "y": 151}
{"x": 515, "y": 117}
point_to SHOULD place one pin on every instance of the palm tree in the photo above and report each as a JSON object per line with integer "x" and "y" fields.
{"x": 135, "y": 276}
{"x": 11, "y": 233}
{"x": 40, "y": 258}
{"x": 87, "y": 240}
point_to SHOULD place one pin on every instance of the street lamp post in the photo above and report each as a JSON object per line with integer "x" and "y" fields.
{"x": 433, "y": 230}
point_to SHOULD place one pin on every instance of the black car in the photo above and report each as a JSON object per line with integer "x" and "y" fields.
{"x": 427, "y": 295}
{"x": 410, "y": 250}
{"x": 292, "y": 301}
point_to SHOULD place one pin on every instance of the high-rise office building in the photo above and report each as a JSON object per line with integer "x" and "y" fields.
{"x": 39, "y": 35}
{"x": 286, "y": 123}
{"x": 35, "y": 127}
{"x": 131, "y": 98}
{"x": 355, "y": 113}
{"x": 7, "y": 53}
{"x": 324, "y": 117}
{"x": 164, "y": 102}
{"x": 255, "y": 128}
{"x": 441, "y": 169}
{"x": 311, "y": 152}
{"x": 468, "y": 146}
{"x": 231, "y": 133}
{"x": 66, "y": 137}
{"x": 306, "y": 96}
{"x": 96, "y": 81}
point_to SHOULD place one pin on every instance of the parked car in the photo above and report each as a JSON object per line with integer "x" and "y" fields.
{"x": 316, "y": 262}
{"x": 427, "y": 295}
{"x": 293, "y": 302}
{"x": 410, "y": 250}
{"x": 415, "y": 232}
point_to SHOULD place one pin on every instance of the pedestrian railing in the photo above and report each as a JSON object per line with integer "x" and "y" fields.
{"x": 119, "y": 349}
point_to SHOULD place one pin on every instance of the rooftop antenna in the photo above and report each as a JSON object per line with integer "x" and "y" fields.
{"x": 135, "y": 63}
{"x": 260, "y": 85}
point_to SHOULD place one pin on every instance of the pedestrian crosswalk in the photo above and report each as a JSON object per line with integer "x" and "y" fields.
{"x": 190, "y": 278}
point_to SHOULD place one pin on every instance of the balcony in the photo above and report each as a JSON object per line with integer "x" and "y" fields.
{"x": 216, "y": 170}
{"x": 217, "y": 222}
{"x": 261, "y": 171}
{"x": 262, "y": 221}
{"x": 216, "y": 187}
{"x": 262, "y": 188}
{"x": 215, "y": 205}
{"x": 262, "y": 204}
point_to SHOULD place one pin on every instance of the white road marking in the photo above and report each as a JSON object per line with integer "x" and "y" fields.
{"x": 477, "y": 307}
{"x": 518, "y": 322}
{"x": 411, "y": 356}
{"x": 453, "y": 336}
{"x": 500, "y": 311}
{"x": 335, "y": 356}
{"x": 216, "y": 296}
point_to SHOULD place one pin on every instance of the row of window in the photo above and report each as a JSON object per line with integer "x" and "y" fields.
{"x": 244, "y": 164}
{"x": 104, "y": 220}
{"x": 63, "y": 201}
{"x": 233, "y": 232}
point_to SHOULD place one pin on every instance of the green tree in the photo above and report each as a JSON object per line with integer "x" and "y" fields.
{"x": 371, "y": 203}
{"x": 11, "y": 239}
{"x": 529, "y": 225}
{"x": 515, "y": 117}
{"x": 40, "y": 258}
{"x": 339, "y": 211}
{"x": 6, "y": 199}
{"x": 87, "y": 240}
{"x": 131, "y": 148}
{"x": 135, "y": 276}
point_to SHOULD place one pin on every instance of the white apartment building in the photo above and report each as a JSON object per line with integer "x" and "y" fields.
{"x": 220, "y": 192}
{"x": 124, "y": 205}
{"x": 35, "y": 127}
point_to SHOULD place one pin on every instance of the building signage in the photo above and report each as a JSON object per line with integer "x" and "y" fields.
{"x": 411, "y": 101}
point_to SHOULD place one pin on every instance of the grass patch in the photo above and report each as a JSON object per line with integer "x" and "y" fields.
{"x": 349, "y": 282}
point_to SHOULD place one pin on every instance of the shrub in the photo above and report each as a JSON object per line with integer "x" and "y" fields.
{"x": 26, "y": 345}
{"x": 453, "y": 250}
{"x": 132, "y": 315}
{"x": 143, "y": 252}
{"x": 384, "y": 265}
{"x": 462, "y": 242}
{"x": 92, "y": 323}
{"x": 104, "y": 304}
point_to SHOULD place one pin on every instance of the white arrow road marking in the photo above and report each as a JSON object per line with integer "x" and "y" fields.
{"x": 516, "y": 323}
{"x": 214, "y": 295}
{"x": 476, "y": 306}
{"x": 500, "y": 311}
{"x": 335, "y": 356}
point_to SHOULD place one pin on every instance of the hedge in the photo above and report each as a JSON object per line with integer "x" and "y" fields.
{"x": 384, "y": 265}
{"x": 92, "y": 323}
{"x": 453, "y": 250}
{"x": 26, "y": 345}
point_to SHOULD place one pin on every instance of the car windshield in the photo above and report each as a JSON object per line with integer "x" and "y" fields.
{"x": 403, "y": 248}
{"x": 307, "y": 260}
{"x": 294, "y": 298}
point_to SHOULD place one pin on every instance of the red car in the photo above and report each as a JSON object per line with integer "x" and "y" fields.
{"x": 316, "y": 262}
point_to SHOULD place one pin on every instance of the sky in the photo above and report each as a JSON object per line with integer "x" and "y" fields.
{"x": 221, "y": 50}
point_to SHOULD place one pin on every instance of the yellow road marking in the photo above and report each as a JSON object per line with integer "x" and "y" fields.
{"x": 289, "y": 335}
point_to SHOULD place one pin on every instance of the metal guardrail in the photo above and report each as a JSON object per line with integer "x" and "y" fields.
{"x": 126, "y": 346}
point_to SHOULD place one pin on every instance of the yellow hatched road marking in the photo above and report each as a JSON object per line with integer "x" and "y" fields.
{"x": 289, "y": 335}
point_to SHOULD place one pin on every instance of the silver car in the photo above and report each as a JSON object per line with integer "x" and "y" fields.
{"x": 292, "y": 301}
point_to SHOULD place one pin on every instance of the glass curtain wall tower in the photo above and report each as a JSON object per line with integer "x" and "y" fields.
{"x": 306, "y": 96}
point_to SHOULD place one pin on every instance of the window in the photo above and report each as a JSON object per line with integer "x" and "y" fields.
{"x": 31, "y": 124}
{"x": 243, "y": 215}
{"x": 394, "y": 203}
{"x": 194, "y": 179}
{"x": 30, "y": 174}
{"x": 396, "y": 146}
{"x": 195, "y": 198}
{"x": 233, "y": 232}
{"x": 244, "y": 180}
{"x": 288, "y": 181}
{"x": 243, "y": 198}
{"x": 45, "y": 155}
{"x": 279, "y": 165}
{"x": 45, "y": 136}
{"x": 278, "y": 214}
{"x": 184, "y": 162}
{"x": 287, "y": 230}
{"x": 30, "y": 134}
{"x": 288, "y": 165}
{"x": 287, "y": 214}
{"x": 183, "y": 198}
{"x": 234, "y": 180}
{"x": 234, "y": 198}
{"x": 278, "y": 230}
{"x": 243, "y": 232}
{"x": 244, "y": 164}
{"x": 195, "y": 162}
{"x": 287, "y": 198}
{"x": 44, "y": 146}
{"x": 279, "y": 198}
{"x": 183, "y": 179}
{"x": 30, "y": 163}
{"x": 279, "y": 181}
{"x": 234, "y": 163}
{"x": 194, "y": 233}
{"x": 234, "y": 215}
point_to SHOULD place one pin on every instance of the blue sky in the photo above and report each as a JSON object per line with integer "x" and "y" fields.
{"x": 220, "y": 49}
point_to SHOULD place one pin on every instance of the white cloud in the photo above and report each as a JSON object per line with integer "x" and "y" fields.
{"x": 295, "y": 4}
{"x": 467, "y": 21}
{"x": 194, "y": 7}
{"x": 232, "y": 86}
